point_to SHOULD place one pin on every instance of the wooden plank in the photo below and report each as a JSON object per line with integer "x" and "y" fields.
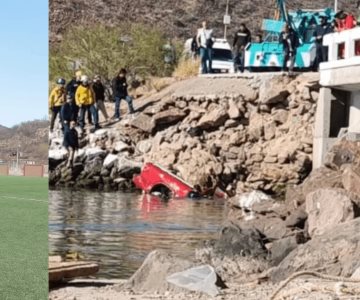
{"x": 67, "y": 270}
{"x": 54, "y": 259}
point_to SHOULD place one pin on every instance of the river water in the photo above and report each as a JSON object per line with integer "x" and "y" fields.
{"x": 118, "y": 230}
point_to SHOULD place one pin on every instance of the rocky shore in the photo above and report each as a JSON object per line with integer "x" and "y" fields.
{"x": 259, "y": 132}
{"x": 254, "y": 132}
{"x": 315, "y": 231}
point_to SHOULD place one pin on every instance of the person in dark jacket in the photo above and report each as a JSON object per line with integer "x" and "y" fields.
{"x": 289, "y": 41}
{"x": 321, "y": 51}
{"x": 194, "y": 48}
{"x": 119, "y": 87}
{"x": 241, "y": 38}
{"x": 71, "y": 91}
{"x": 67, "y": 113}
{"x": 71, "y": 142}
{"x": 99, "y": 91}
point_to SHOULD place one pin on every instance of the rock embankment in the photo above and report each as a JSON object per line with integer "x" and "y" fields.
{"x": 315, "y": 228}
{"x": 254, "y": 132}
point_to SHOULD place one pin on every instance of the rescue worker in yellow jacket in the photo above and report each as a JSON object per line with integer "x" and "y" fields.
{"x": 85, "y": 100}
{"x": 56, "y": 100}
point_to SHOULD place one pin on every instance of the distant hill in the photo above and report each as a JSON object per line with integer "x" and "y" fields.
{"x": 31, "y": 137}
{"x": 178, "y": 18}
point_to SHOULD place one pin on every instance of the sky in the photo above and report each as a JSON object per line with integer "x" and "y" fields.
{"x": 23, "y": 61}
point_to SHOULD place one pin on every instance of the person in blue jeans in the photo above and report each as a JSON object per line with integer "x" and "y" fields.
{"x": 205, "y": 42}
{"x": 119, "y": 87}
{"x": 85, "y": 100}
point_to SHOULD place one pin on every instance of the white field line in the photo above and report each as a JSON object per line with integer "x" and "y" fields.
{"x": 24, "y": 199}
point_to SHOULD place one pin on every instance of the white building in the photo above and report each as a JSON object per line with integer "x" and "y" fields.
{"x": 338, "y": 110}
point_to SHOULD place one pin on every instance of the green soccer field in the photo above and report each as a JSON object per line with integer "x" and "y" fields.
{"x": 23, "y": 238}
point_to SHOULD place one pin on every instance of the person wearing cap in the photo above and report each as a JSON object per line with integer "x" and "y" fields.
{"x": 119, "y": 87}
{"x": 85, "y": 100}
{"x": 99, "y": 91}
{"x": 71, "y": 90}
{"x": 56, "y": 100}
{"x": 71, "y": 142}
{"x": 321, "y": 51}
{"x": 67, "y": 113}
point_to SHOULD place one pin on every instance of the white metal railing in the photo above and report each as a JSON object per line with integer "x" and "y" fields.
{"x": 345, "y": 42}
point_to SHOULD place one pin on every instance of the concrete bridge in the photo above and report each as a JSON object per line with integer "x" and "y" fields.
{"x": 338, "y": 110}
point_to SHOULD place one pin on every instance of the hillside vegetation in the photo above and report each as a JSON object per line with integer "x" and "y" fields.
{"x": 31, "y": 136}
{"x": 177, "y": 18}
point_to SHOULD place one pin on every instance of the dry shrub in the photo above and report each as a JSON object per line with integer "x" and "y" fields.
{"x": 159, "y": 83}
{"x": 187, "y": 68}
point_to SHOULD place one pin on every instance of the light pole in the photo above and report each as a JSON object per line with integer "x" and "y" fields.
{"x": 225, "y": 21}
{"x": 336, "y": 6}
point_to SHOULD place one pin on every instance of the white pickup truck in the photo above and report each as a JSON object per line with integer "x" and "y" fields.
{"x": 222, "y": 59}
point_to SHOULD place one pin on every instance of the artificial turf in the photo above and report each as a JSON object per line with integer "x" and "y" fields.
{"x": 23, "y": 238}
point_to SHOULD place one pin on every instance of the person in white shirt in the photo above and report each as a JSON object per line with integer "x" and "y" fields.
{"x": 205, "y": 42}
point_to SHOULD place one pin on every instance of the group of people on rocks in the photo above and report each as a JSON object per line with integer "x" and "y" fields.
{"x": 80, "y": 97}
{"x": 202, "y": 43}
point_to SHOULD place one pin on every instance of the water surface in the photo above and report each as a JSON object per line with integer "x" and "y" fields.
{"x": 118, "y": 230}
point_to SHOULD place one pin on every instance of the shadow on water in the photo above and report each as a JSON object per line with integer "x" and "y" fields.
{"x": 118, "y": 230}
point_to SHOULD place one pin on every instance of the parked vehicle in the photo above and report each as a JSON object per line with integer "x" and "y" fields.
{"x": 222, "y": 59}
{"x": 154, "y": 179}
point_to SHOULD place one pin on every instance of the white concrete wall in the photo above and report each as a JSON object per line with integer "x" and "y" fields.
{"x": 322, "y": 127}
{"x": 341, "y": 72}
{"x": 354, "y": 117}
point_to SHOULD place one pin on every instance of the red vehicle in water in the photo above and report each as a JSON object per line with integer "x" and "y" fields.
{"x": 154, "y": 179}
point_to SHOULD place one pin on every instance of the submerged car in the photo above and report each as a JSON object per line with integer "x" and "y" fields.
{"x": 156, "y": 180}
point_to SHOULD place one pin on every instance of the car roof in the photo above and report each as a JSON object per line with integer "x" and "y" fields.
{"x": 221, "y": 44}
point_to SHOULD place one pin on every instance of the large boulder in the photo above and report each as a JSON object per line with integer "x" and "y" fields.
{"x": 273, "y": 91}
{"x": 110, "y": 160}
{"x": 127, "y": 168}
{"x": 120, "y": 146}
{"x": 171, "y": 116}
{"x": 322, "y": 178}
{"x": 151, "y": 276}
{"x": 143, "y": 122}
{"x": 326, "y": 208}
{"x": 342, "y": 153}
{"x": 351, "y": 180}
{"x": 194, "y": 166}
{"x": 214, "y": 118}
{"x": 235, "y": 240}
{"x": 336, "y": 252}
{"x": 91, "y": 153}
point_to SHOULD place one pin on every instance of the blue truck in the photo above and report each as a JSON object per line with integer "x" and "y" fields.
{"x": 268, "y": 54}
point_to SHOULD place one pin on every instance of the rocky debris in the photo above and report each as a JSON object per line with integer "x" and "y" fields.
{"x": 335, "y": 252}
{"x": 234, "y": 240}
{"x": 351, "y": 180}
{"x": 326, "y": 208}
{"x": 326, "y": 199}
{"x": 218, "y": 124}
{"x": 151, "y": 276}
